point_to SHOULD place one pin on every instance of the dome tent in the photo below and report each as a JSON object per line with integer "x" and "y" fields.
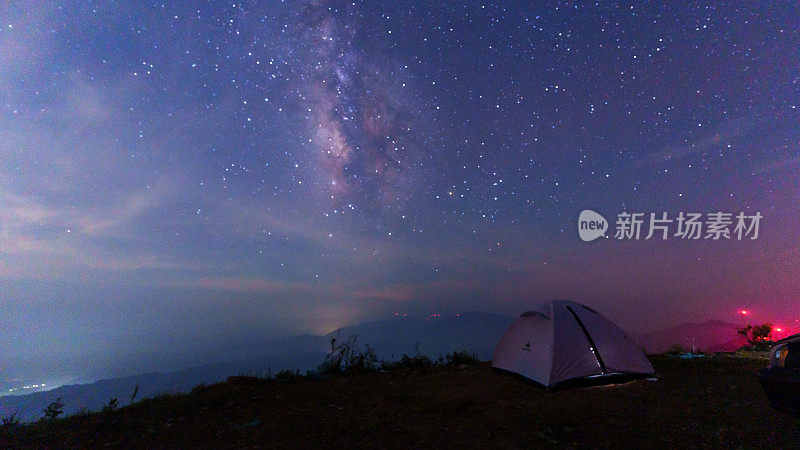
{"x": 565, "y": 343}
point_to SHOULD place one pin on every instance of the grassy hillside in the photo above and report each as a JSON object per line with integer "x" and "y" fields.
{"x": 711, "y": 402}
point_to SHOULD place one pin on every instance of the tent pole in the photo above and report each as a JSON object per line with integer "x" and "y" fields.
{"x": 589, "y": 338}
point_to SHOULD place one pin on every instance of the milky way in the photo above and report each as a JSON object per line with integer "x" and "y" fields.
{"x": 360, "y": 123}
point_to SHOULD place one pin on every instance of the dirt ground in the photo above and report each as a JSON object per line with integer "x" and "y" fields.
{"x": 707, "y": 402}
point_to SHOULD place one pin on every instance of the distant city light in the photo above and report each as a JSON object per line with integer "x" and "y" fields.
{"x": 30, "y": 386}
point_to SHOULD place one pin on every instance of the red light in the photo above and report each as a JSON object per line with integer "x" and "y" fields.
{"x": 778, "y": 329}
{"x": 744, "y": 312}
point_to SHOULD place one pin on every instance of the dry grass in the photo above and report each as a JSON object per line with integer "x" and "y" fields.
{"x": 707, "y": 402}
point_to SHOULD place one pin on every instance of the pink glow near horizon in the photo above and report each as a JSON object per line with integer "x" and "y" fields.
{"x": 778, "y": 329}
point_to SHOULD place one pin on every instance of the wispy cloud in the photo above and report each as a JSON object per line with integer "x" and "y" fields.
{"x": 722, "y": 134}
{"x": 72, "y": 204}
{"x": 23, "y": 42}
{"x": 404, "y": 292}
{"x": 108, "y": 219}
{"x": 257, "y": 285}
{"x": 789, "y": 162}
{"x": 17, "y": 209}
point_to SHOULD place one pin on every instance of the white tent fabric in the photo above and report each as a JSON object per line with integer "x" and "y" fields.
{"x": 563, "y": 340}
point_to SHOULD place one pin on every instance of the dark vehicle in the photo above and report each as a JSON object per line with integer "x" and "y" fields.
{"x": 781, "y": 378}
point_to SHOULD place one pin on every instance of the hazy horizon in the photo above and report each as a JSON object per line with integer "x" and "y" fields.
{"x": 190, "y": 353}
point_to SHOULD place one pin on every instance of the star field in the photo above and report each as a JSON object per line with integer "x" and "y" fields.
{"x": 204, "y": 169}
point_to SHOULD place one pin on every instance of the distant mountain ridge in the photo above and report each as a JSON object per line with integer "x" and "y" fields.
{"x": 475, "y": 333}
{"x": 709, "y": 336}
{"x": 94, "y": 396}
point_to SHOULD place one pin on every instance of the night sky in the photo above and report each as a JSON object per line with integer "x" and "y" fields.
{"x": 176, "y": 177}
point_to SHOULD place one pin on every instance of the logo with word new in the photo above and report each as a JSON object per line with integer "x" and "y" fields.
{"x": 591, "y": 225}
{"x": 714, "y": 226}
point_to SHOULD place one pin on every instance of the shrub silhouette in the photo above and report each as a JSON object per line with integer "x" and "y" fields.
{"x": 408, "y": 362}
{"x": 458, "y": 358}
{"x": 111, "y": 406}
{"x": 10, "y": 421}
{"x": 133, "y": 396}
{"x": 8, "y": 426}
{"x": 288, "y": 375}
{"x": 53, "y": 410}
{"x": 346, "y": 358}
{"x": 758, "y": 336}
{"x": 676, "y": 349}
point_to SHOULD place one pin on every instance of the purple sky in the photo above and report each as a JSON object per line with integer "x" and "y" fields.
{"x": 176, "y": 176}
